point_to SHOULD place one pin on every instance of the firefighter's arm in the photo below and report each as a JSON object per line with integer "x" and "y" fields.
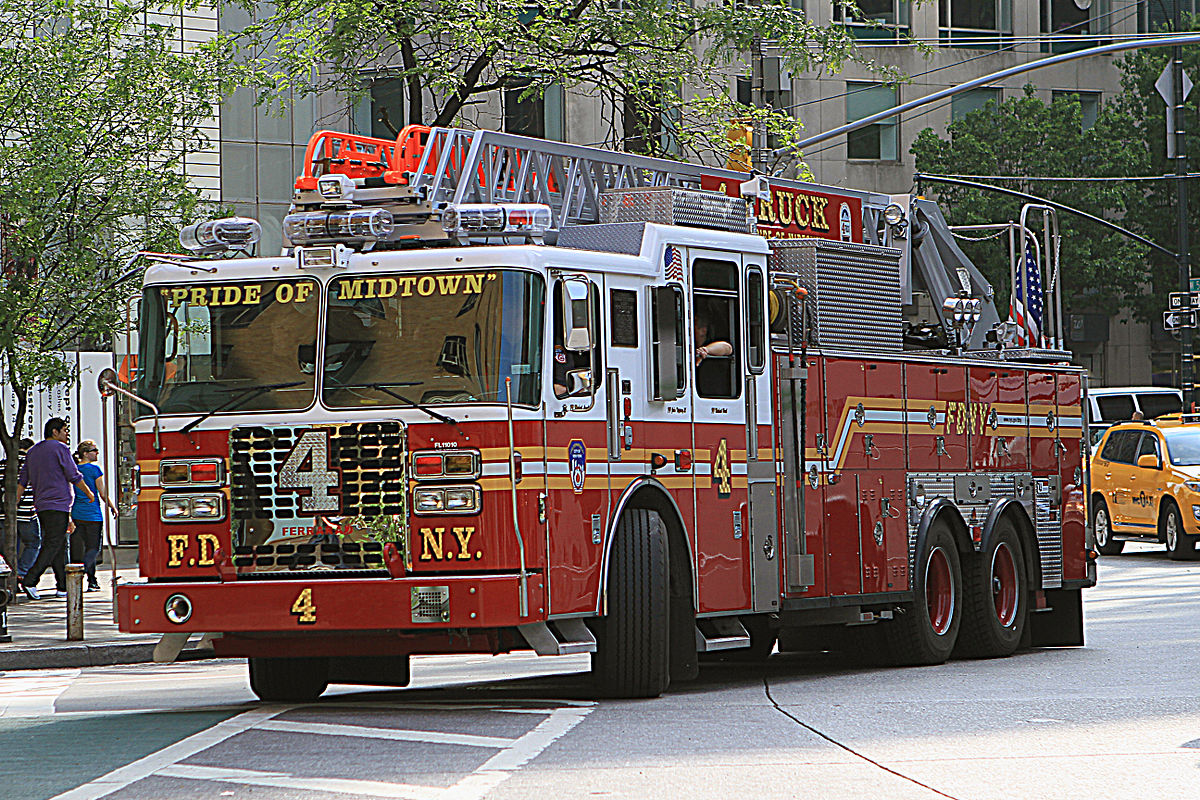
{"x": 713, "y": 349}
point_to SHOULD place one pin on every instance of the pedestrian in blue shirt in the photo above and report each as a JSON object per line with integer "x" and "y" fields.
{"x": 49, "y": 472}
{"x": 87, "y": 520}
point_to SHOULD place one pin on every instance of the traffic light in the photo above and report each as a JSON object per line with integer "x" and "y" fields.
{"x": 740, "y": 135}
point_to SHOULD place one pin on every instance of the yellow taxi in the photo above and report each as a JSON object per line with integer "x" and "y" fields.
{"x": 1146, "y": 485}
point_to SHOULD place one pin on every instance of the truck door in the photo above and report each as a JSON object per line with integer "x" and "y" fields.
{"x": 576, "y": 454}
{"x": 719, "y": 430}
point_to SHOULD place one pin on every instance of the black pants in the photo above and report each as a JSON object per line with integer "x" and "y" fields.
{"x": 85, "y": 546}
{"x": 54, "y": 550}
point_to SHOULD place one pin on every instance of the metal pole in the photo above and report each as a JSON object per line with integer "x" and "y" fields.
{"x": 113, "y": 483}
{"x": 758, "y": 146}
{"x": 74, "y": 602}
{"x": 1181, "y": 202}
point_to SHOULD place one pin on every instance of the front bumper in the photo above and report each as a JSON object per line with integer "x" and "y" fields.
{"x": 412, "y": 604}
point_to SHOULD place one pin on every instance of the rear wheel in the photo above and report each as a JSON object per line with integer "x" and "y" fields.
{"x": 1180, "y": 546}
{"x": 995, "y": 590}
{"x": 924, "y": 632}
{"x": 289, "y": 680}
{"x": 631, "y": 658}
{"x": 1103, "y": 528}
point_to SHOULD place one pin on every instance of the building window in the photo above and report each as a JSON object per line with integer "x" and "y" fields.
{"x": 777, "y": 92}
{"x": 539, "y": 115}
{"x": 1089, "y": 104}
{"x": 875, "y": 19}
{"x": 974, "y": 23}
{"x": 1159, "y": 15}
{"x": 648, "y": 130}
{"x": 881, "y": 140}
{"x": 383, "y": 109}
{"x": 964, "y": 103}
{"x": 1065, "y": 18}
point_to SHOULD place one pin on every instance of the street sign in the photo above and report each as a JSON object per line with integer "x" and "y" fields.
{"x": 1182, "y": 301}
{"x": 1194, "y": 284}
{"x": 1179, "y": 319}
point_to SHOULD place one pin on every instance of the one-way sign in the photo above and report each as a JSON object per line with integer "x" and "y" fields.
{"x": 1179, "y": 319}
{"x": 1182, "y": 301}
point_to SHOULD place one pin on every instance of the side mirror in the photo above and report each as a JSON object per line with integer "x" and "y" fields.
{"x": 579, "y": 381}
{"x": 1148, "y": 461}
{"x": 577, "y": 315}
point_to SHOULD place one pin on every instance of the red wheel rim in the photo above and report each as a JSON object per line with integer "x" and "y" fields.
{"x": 1004, "y": 584}
{"x": 939, "y": 591}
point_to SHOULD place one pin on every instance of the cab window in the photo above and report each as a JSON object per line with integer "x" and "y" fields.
{"x": 1148, "y": 447}
{"x": 567, "y": 361}
{"x": 1120, "y": 446}
{"x": 716, "y": 326}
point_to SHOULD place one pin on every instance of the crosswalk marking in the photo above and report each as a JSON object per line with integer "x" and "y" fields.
{"x": 34, "y": 695}
{"x": 398, "y": 734}
{"x": 284, "y": 780}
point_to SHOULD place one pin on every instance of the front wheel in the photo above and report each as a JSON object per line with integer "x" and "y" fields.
{"x": 1105, "y": 544}
{"x": 1180, "y": 546}
{"x": 996, "y": 590}
{"x": 925, "y": 631}
{"x": 289, "y": 680}
{"x": 632, "y": 639}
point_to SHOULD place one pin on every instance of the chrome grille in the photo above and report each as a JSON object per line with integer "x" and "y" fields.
{"x": 369, "y": 455}
{"x": 669, "y": 205}
{"x": 291, "y": 557}
{"x": 1048, "y": 520}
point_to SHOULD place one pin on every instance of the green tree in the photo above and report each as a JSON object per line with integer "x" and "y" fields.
{"x": 97, "y": 109}
{"x": 665, "y": 64}
{"x": 1025, "y": 137}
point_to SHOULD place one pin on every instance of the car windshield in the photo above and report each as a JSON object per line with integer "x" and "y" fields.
{"x": 244, "y": 345}
{"x": 1183, "y": 446}
{"x": 434, "y": 338}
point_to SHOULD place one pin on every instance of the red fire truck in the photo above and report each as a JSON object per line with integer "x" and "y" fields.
{"x": 499, "y": 393}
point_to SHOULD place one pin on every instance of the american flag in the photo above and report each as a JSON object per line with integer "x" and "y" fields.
{"x": 1029, "y": 321}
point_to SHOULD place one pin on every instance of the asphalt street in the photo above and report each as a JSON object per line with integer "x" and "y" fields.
{"x": 1119, "y": 718}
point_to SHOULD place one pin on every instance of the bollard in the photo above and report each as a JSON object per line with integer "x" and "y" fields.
{"x": 74, "y": 602}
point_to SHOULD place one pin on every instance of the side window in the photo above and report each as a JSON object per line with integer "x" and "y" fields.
{"x": 716, "y": 328}
{"x": 1115, "y": 407}
{"x": 567, "y": 362}
{"x": 622, "y": 312}
{"x": 1126, "y": 446}
{"x": 756, "y": 328}
{"x": 667, "y": 343}
{"x": 1148, "y": 447}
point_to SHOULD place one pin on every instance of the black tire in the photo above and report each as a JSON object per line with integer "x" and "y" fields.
{"x": 995, "y": 596}
{"x": 289, "y": 680}
{"x": 1102, "y": 525}
{"x": 925, "y": 630}
{"x": 632, "y": 640}
{"x": 1180, "y": 545}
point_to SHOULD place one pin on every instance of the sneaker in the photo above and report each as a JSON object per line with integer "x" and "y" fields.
{"x": 92, "y": 587}
{"x": 31, "y": 592}
{"x": 60, "y": 594}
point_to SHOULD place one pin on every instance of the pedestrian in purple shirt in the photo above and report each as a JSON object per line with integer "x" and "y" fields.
{"x": 50, "y": 471}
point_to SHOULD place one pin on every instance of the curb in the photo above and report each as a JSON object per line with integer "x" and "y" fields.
{"x": 91, "y": 655}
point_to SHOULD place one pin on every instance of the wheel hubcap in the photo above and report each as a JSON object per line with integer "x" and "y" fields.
{"x": 1101, "y": 528}
{"x": 939, "y": 591}
{"x": 1172, "y": 531}
{"x": 1004, "y": 585}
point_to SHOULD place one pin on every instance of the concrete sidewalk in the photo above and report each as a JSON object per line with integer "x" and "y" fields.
{"x": 39, "y": 631}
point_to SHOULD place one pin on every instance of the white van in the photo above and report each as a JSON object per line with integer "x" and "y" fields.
{"x": 1110, "y": 404}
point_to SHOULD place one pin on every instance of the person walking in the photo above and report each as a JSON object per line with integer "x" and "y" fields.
{"x": 87, "y": 520}
{"x": 29, "y": 533}
{"x": 49, "y": 472}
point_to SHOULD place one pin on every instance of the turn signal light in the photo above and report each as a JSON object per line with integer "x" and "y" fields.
{"x": 428, "y": 466}
{"x": 204, "y": 473}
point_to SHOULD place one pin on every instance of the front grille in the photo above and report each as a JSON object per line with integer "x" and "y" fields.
{"x": 369, "y": 455}
{"x": 312, "y": 556}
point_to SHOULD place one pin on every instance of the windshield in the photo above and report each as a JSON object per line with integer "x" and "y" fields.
{"x": 1183, "y": 446}
{"x": 244, "y": 345}
{"x": 448, "y": 337}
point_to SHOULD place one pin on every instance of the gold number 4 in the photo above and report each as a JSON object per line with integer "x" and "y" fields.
{"x": 304, "y": 608}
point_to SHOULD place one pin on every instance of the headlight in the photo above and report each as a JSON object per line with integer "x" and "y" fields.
{"x": 462, "y": 499}
{"x": 1196, "y": 512}
{"x": 429, "y": 501}
{"x": 173, "y": 507}
{"x": 173, "y": 473}
{"x": 459, "y": 464}
{"x": 206, "y": 506}
{"x": 1193, "y": 485}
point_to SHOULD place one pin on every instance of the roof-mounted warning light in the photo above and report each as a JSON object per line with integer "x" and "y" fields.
{"x": 345, "y": 226}
{"x": 463, "y": 221}
{"x": 218, "y": 235}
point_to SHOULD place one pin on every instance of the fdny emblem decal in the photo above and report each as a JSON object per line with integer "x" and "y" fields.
{"x": 720, "y": 470}
{"x": 577, "y": 456}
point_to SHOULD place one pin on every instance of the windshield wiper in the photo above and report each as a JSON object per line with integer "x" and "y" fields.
{"x": 246, "y": 396}
{"x": 383, "y": 387}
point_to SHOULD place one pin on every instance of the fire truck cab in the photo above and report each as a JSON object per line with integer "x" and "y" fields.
{"x": 500, "y": 393}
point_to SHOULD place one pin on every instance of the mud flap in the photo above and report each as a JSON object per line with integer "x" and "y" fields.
{"x": 1062, "y": 624}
